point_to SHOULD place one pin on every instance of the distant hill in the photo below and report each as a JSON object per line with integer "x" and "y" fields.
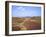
{"x": 28, "y": 17}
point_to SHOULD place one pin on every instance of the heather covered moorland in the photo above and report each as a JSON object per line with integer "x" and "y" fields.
{"x": 26, "y": 23}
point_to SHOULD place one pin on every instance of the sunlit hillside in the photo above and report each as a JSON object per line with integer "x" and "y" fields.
{"x": 26, "y": 23}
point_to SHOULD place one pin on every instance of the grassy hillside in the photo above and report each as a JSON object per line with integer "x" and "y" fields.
{"x": 26, "y": 23}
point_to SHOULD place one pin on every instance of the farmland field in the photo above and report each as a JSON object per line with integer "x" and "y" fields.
{"x": 26, "y": 23}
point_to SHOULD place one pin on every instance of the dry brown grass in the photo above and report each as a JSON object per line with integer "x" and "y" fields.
{"x": 33, "y": 23}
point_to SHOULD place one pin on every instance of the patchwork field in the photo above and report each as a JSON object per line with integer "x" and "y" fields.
{"x": 26, "y": 23}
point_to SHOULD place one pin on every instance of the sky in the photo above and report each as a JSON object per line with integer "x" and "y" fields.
{"x": 24, "y": 11}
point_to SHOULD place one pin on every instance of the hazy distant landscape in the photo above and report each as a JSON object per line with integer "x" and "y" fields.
{"x": 26, "y": 18}
{"x": 26, "y": 23}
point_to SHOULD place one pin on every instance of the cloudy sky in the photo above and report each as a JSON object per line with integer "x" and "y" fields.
{"x": 23, "y": 11}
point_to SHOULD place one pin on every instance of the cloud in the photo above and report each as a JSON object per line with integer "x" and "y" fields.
{"x": 21, "y": 8}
